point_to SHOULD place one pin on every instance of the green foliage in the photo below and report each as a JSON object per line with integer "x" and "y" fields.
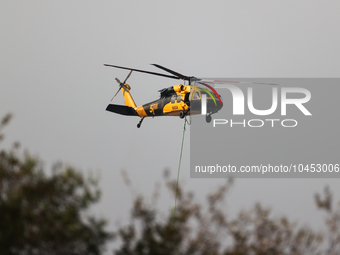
{"x": 207, "y": 229}
{"x": 42, "y": 214}
{"x": 4, "y": 121}
{"x": 332, "y": 220}
{"x": 46, "y": 214}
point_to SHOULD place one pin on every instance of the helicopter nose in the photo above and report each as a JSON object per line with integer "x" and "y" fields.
{"x": 219, "y": 105}
{"x": 214, "y": 105}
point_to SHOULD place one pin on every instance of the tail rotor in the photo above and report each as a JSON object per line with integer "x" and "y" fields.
{"x": 122, "y": 85}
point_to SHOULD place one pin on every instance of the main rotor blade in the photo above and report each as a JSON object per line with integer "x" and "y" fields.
{"x": 214, "y": 81}
{"x": 183, "y": 77}
{"x": 143, "y": 71}
{"x": 116, "y": 94}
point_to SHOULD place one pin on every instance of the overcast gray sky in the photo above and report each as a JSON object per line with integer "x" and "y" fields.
{"x": 54, "y": 82}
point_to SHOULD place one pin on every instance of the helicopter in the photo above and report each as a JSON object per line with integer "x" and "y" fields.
{"x": 178, "y": 100}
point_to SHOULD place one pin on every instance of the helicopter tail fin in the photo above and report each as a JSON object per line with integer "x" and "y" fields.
{"x": 128, "y": 98}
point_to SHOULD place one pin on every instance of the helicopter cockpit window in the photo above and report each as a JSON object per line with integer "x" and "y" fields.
{"x": 205, "y": 93}
{"x": 173, "y": 99}
{"x": 196, "y": 95}
{"x": 179, "y": 98}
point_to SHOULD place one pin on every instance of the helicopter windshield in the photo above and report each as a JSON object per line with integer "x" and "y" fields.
{"x": 196, "y": 95}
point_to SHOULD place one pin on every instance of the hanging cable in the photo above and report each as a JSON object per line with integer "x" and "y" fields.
{"x": 179, "y": 168}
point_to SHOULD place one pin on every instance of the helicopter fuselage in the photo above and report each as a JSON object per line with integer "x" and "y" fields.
{"x": 179, "y": 100}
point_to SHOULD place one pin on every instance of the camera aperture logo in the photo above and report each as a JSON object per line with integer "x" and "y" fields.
{"x": 279, "y": 103}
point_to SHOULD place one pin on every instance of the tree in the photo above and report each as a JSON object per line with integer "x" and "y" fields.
{"x": 332, "y": 221}
{"x": 42, "y": 214}
{"x": 198, "y": 229}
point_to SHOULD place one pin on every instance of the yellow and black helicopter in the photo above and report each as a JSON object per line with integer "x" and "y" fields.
{"x": 179, "y": 100}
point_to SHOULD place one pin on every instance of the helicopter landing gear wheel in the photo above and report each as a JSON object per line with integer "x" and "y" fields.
{"x": 140, "y": 123}
{"x": 182, "y": 114}
{"x": 208, "y": 118}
